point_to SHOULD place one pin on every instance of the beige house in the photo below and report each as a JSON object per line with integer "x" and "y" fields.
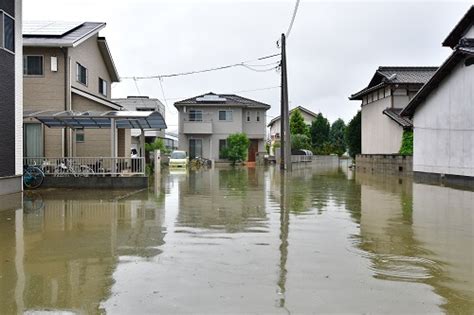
{"x": 68, "y": 67}
{"x": 207, "y": 120}
{"x": 275, "y": 123}
{"x": 388, "y": 92}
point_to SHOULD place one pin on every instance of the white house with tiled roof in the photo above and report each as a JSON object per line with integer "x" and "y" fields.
{"x": 275, "y": 123}
{"x": 443, "y": 112}
{"x": 205, "y": 122}
{"x": 388, "y": 92}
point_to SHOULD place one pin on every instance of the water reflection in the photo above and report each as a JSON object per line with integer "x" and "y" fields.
{"x": 242, "y": 241}
{"x": 68, "y": 243}
{"x": 226, "y": 199}
{"x": 420, "y": 233}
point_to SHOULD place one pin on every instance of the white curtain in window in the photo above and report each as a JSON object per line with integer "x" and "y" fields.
{"x": 33, "y": 135}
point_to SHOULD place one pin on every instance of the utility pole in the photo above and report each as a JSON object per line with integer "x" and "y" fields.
{"x": 285, "y": 149}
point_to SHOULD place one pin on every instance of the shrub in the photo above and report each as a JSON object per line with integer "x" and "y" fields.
{"x": 237, "y": 147}
{"x": 353, "y": 135}
{"x": 407, "y": 143}
{"x": 300, "y": 142}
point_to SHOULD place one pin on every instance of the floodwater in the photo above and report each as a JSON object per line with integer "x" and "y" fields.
{"x": 242, "y": 241}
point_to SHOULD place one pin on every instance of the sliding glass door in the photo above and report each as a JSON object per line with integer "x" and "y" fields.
{"x": 195, "y": 148}
{"x": 33, "y": 140}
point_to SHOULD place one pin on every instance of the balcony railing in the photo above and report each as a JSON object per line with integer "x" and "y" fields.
{"x": 88, "y": 166}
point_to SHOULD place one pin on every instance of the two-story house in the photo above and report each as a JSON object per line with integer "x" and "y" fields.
{"x": 388, "y": 92}
{"x": 207, "y": 120}
{"x": 10, "y": 97}
{"x": 67, "y": 66}
{"x": 275, "y": 123}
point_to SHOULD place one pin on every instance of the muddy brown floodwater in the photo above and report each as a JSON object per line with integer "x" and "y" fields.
{"x": 242, "y": 241}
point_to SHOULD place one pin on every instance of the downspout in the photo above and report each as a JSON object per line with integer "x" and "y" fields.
{"x": 67, "y": 101}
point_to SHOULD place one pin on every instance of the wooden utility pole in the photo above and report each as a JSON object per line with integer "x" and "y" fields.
{"x": 285, "y": 149}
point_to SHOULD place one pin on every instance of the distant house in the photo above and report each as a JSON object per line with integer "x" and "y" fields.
{"x": 207, "y": 120}
{"x": 11, "y": 163}
{"x": 143, "y": 103}
{"x": 443, "y": 111}
{"x": 275, "y": 123}
{"x": 388, "y": 92}
{"x": 68, "y": 67}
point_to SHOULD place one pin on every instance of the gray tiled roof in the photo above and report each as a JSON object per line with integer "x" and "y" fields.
{"x": 69, "y": 38}
{"x": 394, "y": 114}
{"x": 230, "y": 100}
{"x": 407, "y": 74}
{"x": 386, "y": 75}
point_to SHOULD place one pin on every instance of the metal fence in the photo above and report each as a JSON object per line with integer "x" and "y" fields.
{"x": 88, "y": 166}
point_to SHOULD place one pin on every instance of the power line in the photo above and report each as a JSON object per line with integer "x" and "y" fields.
{"x": 240, "y": 64}
{"x": 240, "y": 91}
{"x": 293, "y": 18}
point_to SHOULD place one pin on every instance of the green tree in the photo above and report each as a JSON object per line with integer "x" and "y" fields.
{"x": 237, "y": 147}
{"x": 297, "y": 124}
{"x": 407, "y": 143}
{"x": 319, "y": 132}
{"x": 353, "y": 135}
{"x": 337, "y": 137}
{"x": 300, "y": 142}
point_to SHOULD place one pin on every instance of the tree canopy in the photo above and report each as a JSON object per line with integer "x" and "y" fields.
{"x": 319, "y": 132}
{"x": 297, "y": 124}
{"x": 337, "y": 137}
{"x": 354, "y": 135}
{"x": 300, "y": 142}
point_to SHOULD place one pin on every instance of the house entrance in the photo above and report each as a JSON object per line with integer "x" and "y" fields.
{"x": 195, "y": 148}
{"x": 253, "y": 149}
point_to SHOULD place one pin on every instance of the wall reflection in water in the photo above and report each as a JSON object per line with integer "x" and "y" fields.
{"x": 62, "y": 249}
{"x": 420, "y": 233}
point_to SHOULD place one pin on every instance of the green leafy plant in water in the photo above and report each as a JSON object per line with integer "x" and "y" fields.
{"x": 157, "y": 145}
{"x": 407, "y": 143}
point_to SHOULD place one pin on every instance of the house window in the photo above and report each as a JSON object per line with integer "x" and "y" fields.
{"x": 248, "y": 115}
{"x": 32, "y": 65}
{"x": 258, "y": 116}
{"x": 195, "y": 115}
{"x": 222, "y": 146}
{"x": 102, "y": 87}
{"x": 8, "y": 33}
{"x": 81, "y": 72}
{"x": 80, "y": 135}
{"x": 225, "y": 115}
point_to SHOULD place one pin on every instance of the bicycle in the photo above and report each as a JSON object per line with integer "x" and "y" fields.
{"x": 33, "y": 176}
{"x": 68, "y": 168}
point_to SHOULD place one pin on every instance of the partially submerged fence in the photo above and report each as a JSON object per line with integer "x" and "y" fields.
{"x": 88, "y": 166}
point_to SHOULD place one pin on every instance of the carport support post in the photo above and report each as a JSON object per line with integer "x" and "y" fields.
{"x": 142, "y": 144}
{"x": 113, "y": 145}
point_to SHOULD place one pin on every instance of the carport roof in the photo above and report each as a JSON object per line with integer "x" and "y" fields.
{"x": 99, "y": 120}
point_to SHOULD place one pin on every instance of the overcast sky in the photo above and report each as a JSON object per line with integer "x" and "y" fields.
{"x": 333, "y": 49}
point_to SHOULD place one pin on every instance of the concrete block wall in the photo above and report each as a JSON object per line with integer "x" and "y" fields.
{"x": 388, "y": 164}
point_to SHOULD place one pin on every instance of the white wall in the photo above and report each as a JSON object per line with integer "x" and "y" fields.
{"x": 18, "y": 89}
{"x": 444, "y": 126}
{"x": 380, "y": 134}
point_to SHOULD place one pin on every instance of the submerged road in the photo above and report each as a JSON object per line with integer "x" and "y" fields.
{"x": 242, "y": 241}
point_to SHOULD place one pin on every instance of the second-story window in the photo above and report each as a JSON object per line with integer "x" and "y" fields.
{"x": 225, "y": 115}
{"x": 32, "y": 65}
{"x": 81, "y": 72}
{"x": 102, "y": 87}
{"x": 195, "y": 115}
{"x": 248, "y": 116}
{"x": 258, "y": 116}
{"x": 8, "y": 32}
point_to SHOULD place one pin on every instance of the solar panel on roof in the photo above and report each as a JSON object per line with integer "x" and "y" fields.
{"x": 49, "y": 28}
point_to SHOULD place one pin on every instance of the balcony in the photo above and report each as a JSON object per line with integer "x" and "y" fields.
{"x": 197, "y": 127}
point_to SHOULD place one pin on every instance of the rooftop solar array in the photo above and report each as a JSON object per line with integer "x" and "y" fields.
{"x": 49, "y": 28}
